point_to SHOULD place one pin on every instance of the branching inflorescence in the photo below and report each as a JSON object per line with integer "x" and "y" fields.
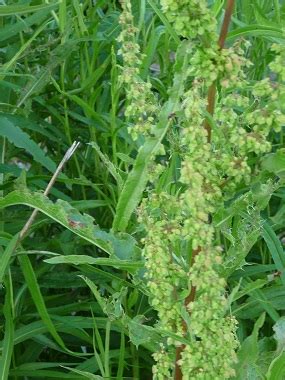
{"x": 216, "y": 143}
{"x": 141, "y": 106}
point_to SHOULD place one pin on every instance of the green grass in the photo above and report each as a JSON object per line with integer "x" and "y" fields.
{"x": 74, "y": 302}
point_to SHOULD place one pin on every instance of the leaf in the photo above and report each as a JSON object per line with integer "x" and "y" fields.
{"x": 140, "y": 333}
{"x": 6, "y": 256}
{"x": 257, "y": 284}
{"x": 167, "y": 24}
{"x": 256, "y": 30}
{"x": 88, "y": 375}
{"x": 151, "y": 50}
{"x": 57, "y": 56}
{"x": 62, "y": 324}
{"x": 83, "y": 259}
{"x": 11, "y": 10}
{"x": 44, "y": 374}
{"x": 269, "y": 299}
{"x": 279, "y": 335}
{"x": 13, "y": 29}
{"x": 37, "y": 297}
{"x": 138, "y": 177}
{"x": 8, "y": 341}
{"x": 101, "y": 300}
{"x": 275, "y": 249}
{"x": 275, "y": 163}
{"x": 22, "y": 140}
{"x": 264, "y": 300}
{"x": 109, "y": 165}
{"x": 248, "y": 353}
{"x": 262, "y": 192}
{"x": 121, "y": 245}
{"x": 276, "y": 369}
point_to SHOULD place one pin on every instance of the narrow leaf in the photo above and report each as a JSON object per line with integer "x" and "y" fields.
{"x": 8, "y": 342}
{"x": 22, "y": 140}
{"x": 6, "y": 255}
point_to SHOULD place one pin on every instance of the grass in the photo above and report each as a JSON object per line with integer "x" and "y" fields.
{"x": 74, "y": 302}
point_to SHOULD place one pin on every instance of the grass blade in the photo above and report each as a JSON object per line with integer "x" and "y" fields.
{"x": 5, "y": 257}
{"x": 8, "y": 342}
{"x": 37, "y": 297}
{"x": 275, "y": 249}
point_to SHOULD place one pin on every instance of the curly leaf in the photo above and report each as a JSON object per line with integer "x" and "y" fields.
{"x": 121, "y": 245}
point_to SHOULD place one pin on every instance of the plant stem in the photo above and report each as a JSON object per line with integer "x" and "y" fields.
{"x": 211, "y": 98}
{"x": 107, "y": 349}
{"x": 66, "y": 157}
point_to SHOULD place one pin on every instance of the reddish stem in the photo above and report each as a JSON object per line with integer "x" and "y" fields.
{"x": 210, "y": 109}
{"x": 188, "y": 299}
{"x": 226, "y": 23}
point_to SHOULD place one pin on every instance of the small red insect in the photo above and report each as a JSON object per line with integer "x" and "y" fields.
{"x": 75, "y": 224}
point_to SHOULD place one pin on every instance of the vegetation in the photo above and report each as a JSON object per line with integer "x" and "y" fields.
{"x": 156, "y": 247}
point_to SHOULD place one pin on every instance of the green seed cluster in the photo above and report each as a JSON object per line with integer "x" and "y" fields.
{"x": 197, "y": 172}
{"x": 211, "y": 353}
{"x": 164, "y": 365}
{"x": 140, "y": 106}
{"x": 211, "y": 168}
{"x": 190, "y": 18}
{"x": 210, "y": 63}
{"x": 160, "y": 214}
{"x": 278, "y": 65}
{"x": 242, "y": 126}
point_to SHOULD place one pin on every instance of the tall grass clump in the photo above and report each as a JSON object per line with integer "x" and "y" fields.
{"x": 156, "y": 246}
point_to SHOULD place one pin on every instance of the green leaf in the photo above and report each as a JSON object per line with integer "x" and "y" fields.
{"x": 279, "y": 335}
{"x": 13, "y": 29}
{"x": 22, "y": 140}
{"x": 109, "y": 165}
{"x": 257, "y": 284}
{"x": 248, "y": 353}
{"x": 121, "y": 245}
{"x": 11, "y": 10}
{"x": 275, "y": 163}
{"x": 34, "y": 289}
{"x": 88, "y": 375}
{"x": 256, "y": 30}
{"x": 42, "y": 78}
{"x": 83, "y": 259}
{"x": 137, "y": 179}
{"x": 276, "y": 369}
{"x": 167, "y": 24}
{"x": 6, "y": 256}
{"x": 8, "y": 341}
{"x": 140, "y": 333}
{"x": 275, "y": 249}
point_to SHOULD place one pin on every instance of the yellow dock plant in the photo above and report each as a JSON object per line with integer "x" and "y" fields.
{"x": 180, "y": 250}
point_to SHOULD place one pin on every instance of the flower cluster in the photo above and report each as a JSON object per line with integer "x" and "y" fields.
{"x": 243, "y": 123}
{"x": 160, "y": 214}
{"x": 278, "y": 65}
{"x": 212, "y": 166}
{"x": 212, "y": 350}
{"x": 197, "y": 171}
{"x": 210, "y": 63}
{"x": 141, "y": 106}
{"x": 164, "y": 364}
{"x": 190, "y": 18}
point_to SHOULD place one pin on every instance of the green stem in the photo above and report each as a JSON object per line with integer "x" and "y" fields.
{"x": 136, "y": 372}
{"x": 107, "y": 348}
{"x": 121, "y": 365}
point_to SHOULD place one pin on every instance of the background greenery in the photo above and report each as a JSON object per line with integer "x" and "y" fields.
{"x": 59, "y": 83}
